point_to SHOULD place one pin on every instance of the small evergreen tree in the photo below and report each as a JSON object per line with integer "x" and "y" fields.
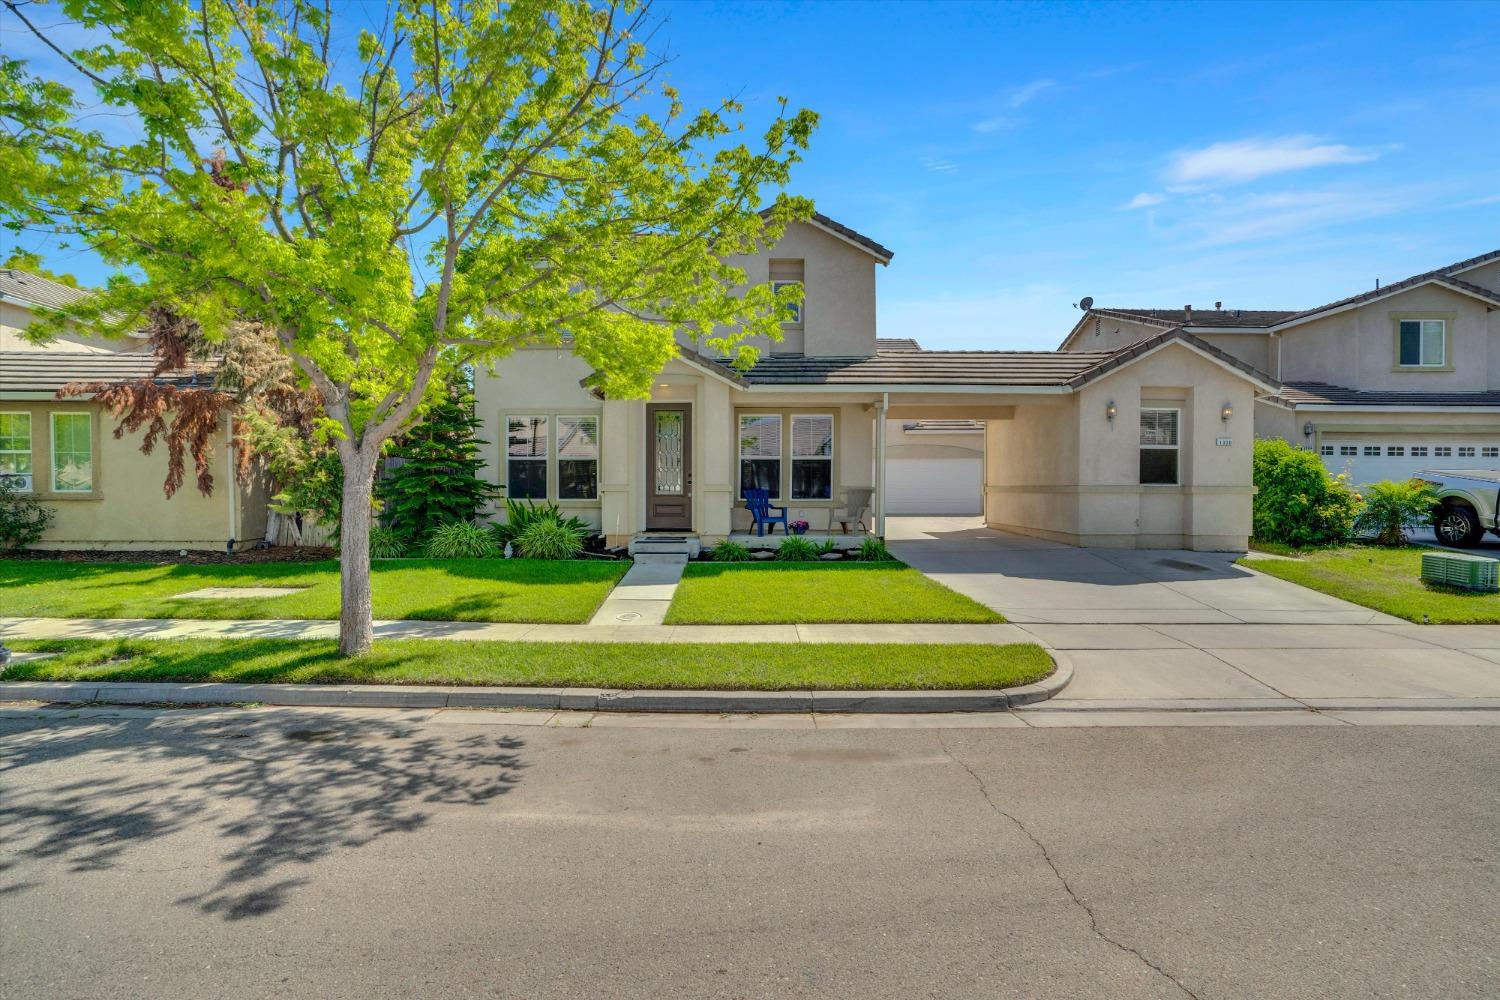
{"x": 437, "y": 482}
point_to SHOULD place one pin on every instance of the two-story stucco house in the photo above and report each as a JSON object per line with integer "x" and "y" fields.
{"x": 1143, "y": 445}
{"x": 1382, "y": 384}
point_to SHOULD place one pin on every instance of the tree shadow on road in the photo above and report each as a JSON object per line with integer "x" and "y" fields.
{"x": 281, "y": 790}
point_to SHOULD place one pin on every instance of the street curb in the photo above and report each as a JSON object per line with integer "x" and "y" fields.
{"x": 577, "y": 699}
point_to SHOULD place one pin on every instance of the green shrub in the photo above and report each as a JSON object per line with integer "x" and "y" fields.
{"x": 22, "y": 518}
{"x": 874, "y": 550}
{"x": 797, "y": 549}
{"x": 550, "y": 540}
{"x": 727, "y": 551}
{"x": 1297, "y": 502}
{"x": 386, "y": 544}
{"x": 1392, "y": 507}
{"x": 522, "y": 514}
{"x": 460, "y": 540}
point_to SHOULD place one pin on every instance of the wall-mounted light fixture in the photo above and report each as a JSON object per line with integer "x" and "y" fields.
{"x": 1307, "y": 429}
{"x": 1225, "y": 412}
{"x": 1111, "y": 411}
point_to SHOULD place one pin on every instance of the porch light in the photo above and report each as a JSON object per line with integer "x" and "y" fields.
{"x": 1111, "y": 411}
{"x": 1307, "y": 429}
{"x": 1226, "y": 412}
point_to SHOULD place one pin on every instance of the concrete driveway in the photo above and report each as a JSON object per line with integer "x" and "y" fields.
{"x": 1032, "y": 580}
{"x": 1190, "y": 630}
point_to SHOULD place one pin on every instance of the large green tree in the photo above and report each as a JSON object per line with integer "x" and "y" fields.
{"x": 465, "y": 177}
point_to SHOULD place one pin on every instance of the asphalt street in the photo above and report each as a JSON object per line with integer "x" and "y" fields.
{"x": 256, "y": 853}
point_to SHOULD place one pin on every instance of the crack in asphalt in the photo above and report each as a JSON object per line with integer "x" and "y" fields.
{"x": 1057, "y": 873}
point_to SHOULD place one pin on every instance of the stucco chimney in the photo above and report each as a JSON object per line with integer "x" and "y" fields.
{"x": 1218, "y": 307}
{"x": 1187, "y": 312}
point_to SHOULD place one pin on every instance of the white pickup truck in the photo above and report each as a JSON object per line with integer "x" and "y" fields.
{"x": 1468, "y": 505}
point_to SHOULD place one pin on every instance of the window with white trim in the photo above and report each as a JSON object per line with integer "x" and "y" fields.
{"x": 1422, "y": 343}
{"x": 1372, "y": 451}
{"x": 72, "y": 453}
{"x": 578, "y": 458}
{"x": 15, "y": 451}
{"x": 1326, "y": 450}
{"x": 1465, "y": 452}
{"x": 1419, "y": 451}
{"x": 812, "y": 456}
{"x": 526, "y": 457}
{"x": 1395, "y": 451}
{"x": 1348, "y": 449}
{"x": 1159, "y": 446}
{"x": 760, "y": 453}
{"x": 1489, "y": 451}
{"x": 789, "y": 273}
{"x": 1442, "y": 451}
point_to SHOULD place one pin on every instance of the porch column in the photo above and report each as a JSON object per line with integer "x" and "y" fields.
{"x": 880, "y": 411}
{"x": 617, "y": 459}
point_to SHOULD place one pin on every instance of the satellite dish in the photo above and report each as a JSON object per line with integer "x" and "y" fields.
{"x": 1086, "y": 303}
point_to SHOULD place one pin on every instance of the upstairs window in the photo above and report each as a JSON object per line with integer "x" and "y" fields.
{"x": 1422, "y": 343}
{"x": 789, "y": 273}
{"x": 15, "y": 451}
{"x": 1159, "y": 446}
{"x": 760, "y": 453}
{"x": 526, "y": 457}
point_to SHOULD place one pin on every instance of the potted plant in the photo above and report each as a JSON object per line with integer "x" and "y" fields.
{"x": 799, "y": 527}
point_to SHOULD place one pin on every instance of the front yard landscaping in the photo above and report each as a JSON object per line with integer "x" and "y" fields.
{"x": 808, "y": 593}
{"x": 498, "y": 590}
{"x": 727, "y": 666}
{"x": 1386, "y": 579}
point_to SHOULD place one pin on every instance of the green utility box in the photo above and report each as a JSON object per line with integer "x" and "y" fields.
{"x": 1455, "y": 569}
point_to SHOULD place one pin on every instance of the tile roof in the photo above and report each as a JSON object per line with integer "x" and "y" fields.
{"x": 1201, "y": 317}
{"x": 48, "y": 371}
{"x": 824, "y": 222}
{"x": 28, "y": 287}
{"x": 1125, "y": 355}
{"x": 884, "y": 345}
{"x": 1321, "y": 393}
{"x": 979, "y": 368}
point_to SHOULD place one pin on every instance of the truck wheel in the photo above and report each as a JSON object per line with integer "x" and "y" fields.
{"x": 1458, "y": 526}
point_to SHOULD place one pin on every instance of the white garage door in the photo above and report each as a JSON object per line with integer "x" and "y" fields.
{"x": 1369, "y": 458}
{"x": 933, "y": 485}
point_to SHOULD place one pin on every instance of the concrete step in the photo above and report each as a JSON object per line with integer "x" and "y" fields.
{"x": 685, "y": 546}
{"x": 661, "y": 558}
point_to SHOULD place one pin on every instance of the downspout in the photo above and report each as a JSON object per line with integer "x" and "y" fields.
{"x": 229, "y": 482}
{"x": 880, "y": 411}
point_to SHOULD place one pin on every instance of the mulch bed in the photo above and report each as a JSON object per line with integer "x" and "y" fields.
{"x": 195, "y": 557}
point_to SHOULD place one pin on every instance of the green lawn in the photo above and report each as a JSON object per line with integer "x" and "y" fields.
{"x": 500, "y": 590}
{"x": 807, "y": 593}
{"x": 730, "y": 666}
{"x": 1387, "y": 580}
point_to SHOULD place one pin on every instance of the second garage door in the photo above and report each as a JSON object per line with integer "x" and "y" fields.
{"x": 933, "y": 485}
{"x": 1369, "y": 458}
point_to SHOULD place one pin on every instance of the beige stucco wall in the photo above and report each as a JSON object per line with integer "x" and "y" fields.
{"x": 127, "y": 508}
{"x": 1106, "y": 333}
{"x": 15, "y": 317}
{"x": 899, "y": 443}
{"x": 1252, "y": 348}
{"x": 1064, "y": 471}
{"x": 838, "y": 308}
{"x": 1357, "y": 348}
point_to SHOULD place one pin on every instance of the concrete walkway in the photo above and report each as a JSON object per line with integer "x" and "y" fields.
{"x": 642, "y": 596}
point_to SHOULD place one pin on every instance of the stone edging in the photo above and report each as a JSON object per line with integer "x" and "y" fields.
{"x": 582, "y": 699}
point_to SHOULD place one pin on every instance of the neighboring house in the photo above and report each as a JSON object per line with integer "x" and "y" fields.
{"x": 1381, "y": 384}
{"x": 1147, "y": 446}
{"x": 107, "y": 495}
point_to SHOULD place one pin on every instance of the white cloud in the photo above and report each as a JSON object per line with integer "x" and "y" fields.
{"x": 1274, "y": 216}
{"x": 996, "y": 124}
{"x": 1145, "y": 199}
{"x": 1248, "y": 159}
{"x": 1023, "y": 94}
{"x": 938, "y": 165}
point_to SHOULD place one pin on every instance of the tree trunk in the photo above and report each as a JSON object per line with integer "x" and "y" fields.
{"x": 356, "y": 620}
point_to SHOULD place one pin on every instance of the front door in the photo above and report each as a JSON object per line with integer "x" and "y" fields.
{"x": 669, "y": 467}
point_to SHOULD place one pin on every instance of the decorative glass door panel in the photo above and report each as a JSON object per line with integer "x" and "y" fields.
{"x": 669, "y": 472}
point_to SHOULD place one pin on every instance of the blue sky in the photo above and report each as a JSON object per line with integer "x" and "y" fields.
{"x": 1017, "y": 157}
